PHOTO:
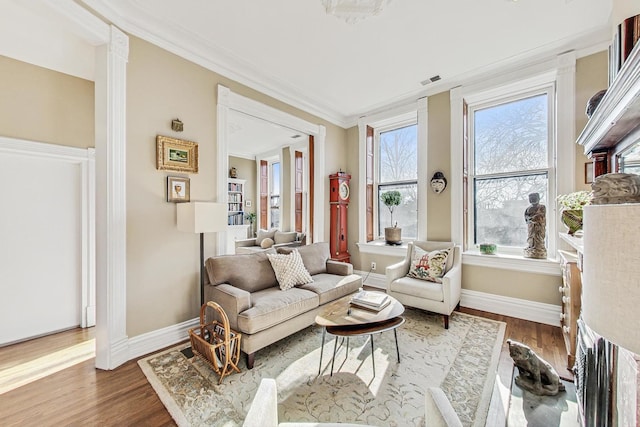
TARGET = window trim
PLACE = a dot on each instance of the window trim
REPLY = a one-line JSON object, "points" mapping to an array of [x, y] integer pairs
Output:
{"points": [[513, 94], [560, 70], [417, 112]]}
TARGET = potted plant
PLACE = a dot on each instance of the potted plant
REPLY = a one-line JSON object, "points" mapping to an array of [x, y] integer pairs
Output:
{"points": [[571, 206], [391, 199], [251, 217]]}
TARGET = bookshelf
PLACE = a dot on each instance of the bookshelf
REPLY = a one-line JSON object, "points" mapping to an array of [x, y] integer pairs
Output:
{"points": [[235, 201]]}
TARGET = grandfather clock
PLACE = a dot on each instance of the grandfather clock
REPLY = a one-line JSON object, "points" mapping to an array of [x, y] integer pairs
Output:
{"points": [[339, 202]]}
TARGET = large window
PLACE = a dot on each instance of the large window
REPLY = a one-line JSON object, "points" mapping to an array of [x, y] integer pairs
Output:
{"points": [[397, 154], [511, 154]]}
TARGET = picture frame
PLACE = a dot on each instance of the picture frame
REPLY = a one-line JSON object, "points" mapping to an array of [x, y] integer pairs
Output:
{"points": [[588, 172], [178, 189], [176, 155]]}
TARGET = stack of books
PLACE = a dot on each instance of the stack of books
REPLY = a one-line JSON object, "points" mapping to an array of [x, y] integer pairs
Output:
{"points": [[375, 301]]}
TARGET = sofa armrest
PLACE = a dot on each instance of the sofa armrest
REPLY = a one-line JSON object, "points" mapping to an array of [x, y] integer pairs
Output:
{"points": [[264, 407], [452, 286], [339, 268], [438, 409], [396, 271], [232, 300], [245, 242]]}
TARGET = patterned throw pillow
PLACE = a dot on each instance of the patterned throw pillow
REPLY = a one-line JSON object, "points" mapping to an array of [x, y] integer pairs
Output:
{"points": [[289, 269], [429, 266]]}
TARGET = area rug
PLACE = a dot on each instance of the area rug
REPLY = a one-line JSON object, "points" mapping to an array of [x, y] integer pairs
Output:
{"points": [[461, 360]]}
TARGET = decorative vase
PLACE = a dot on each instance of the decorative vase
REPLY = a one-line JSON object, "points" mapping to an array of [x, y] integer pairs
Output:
{"points": [[393, 235], [572, 218]]}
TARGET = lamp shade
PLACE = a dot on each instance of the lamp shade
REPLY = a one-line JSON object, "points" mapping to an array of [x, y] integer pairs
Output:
{"points": [[611, 273], [201, 217]]}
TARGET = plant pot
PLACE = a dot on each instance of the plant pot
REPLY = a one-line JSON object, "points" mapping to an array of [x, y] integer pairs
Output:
{"points": [[572, 218], [393, 235]]}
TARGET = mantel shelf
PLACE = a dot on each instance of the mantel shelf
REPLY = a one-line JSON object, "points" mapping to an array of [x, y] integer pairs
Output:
{"points": [[618, 114]]}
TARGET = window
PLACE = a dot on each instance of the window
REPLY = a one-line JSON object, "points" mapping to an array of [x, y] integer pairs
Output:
{"points": [[511, 154], [274, 194], [397, 159]]}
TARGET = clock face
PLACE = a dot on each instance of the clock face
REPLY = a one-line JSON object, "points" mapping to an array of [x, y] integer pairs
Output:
{"points": [[344, 191]]}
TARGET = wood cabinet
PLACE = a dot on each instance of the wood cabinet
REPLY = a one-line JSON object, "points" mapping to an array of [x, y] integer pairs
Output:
{"points": [[571, 291], [339, 209]]}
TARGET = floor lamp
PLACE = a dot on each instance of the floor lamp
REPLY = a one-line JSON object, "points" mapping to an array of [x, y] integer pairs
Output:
{"points": [[202, 217]]}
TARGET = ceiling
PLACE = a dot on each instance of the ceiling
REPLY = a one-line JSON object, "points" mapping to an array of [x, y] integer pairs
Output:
{"points": [[292, 50], [250, 136]]}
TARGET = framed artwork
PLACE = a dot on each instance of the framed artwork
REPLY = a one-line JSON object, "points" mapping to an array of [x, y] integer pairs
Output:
{"points": [[178, 189], [588, 172], [176, 155]]}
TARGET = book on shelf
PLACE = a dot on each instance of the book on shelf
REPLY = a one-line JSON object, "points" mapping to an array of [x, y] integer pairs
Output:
{"points": [[375, 300]]}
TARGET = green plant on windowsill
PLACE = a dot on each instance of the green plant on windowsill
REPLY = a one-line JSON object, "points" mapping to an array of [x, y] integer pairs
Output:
{"points": [[391, 199], [572, 206]]}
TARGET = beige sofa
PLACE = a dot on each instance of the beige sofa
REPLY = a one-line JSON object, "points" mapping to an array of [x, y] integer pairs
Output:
{"points": [[245, 286], [278, 239]]}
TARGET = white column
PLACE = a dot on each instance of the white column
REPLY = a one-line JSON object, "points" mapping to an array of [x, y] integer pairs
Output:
{"points": [[110, 104]]}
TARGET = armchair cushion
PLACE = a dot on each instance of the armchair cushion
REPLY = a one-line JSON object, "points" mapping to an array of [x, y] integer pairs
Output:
{"points": [[429, 266]]}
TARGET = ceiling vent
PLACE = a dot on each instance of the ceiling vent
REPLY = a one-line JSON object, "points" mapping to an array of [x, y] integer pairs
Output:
{"points": [[296, 136], [430, 80]]}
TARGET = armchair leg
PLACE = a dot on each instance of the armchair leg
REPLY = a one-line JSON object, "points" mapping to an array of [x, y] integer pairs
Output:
{"points": [[446, 321], [251, 358]]}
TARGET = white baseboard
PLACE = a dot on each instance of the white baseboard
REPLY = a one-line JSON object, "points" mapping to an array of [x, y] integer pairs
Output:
{"points": [[548, 314], [155, 340], [375, 280]]}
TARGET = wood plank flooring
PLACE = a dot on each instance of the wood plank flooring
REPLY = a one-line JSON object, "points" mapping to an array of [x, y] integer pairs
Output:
{"points": [[84, 396]]}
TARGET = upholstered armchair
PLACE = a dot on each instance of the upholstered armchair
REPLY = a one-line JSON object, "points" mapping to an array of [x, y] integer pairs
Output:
{"points": [[439, 298]]}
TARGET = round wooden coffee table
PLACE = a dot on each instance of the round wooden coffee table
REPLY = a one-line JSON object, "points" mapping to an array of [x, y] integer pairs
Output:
{"points": [[340, 318]]}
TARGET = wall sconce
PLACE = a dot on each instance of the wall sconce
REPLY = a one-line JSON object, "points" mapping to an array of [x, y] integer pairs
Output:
{"points": [[438, 182], [176, 125]]}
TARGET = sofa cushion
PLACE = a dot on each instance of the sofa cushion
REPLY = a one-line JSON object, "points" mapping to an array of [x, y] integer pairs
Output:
{"points": [[418, 288], [272, 306], [284, 237], [289, 270], [314, 256], [330, 287], [429, 266], [266, 243], [249, 272], [263, 234]]}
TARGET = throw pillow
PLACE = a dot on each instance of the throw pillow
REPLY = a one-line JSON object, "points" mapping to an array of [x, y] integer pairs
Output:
{"points": [[289, 270], [263, 234], [429, 266], [266, 243], [284, 237]]}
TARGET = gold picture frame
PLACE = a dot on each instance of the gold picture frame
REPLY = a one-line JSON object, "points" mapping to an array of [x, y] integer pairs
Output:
{"points": [[176, 155], [178, 189]]}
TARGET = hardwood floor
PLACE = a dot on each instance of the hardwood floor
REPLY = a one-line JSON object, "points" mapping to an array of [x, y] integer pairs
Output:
{"points": [[81, 395]]}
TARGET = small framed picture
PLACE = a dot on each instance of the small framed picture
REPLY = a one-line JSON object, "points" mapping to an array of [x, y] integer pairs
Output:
{"points": [[178, 189], [588, 172], [247, 203], [176, 155]]}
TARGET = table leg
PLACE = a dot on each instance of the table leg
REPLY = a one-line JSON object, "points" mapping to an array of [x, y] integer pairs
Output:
{"points": [[324, 331], [333, 359], [373, 359], [395, 333]]}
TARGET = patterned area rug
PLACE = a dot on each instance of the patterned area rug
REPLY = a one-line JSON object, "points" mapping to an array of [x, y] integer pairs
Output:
{"points": [[461, 360]]}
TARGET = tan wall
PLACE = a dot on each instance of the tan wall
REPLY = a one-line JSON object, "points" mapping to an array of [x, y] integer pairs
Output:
{"points": [[163, 263], [42, 105], [591, 76]]}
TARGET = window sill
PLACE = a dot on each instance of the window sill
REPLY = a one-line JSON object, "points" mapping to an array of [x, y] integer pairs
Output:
{"points": [[512, 262], [380, 247]]}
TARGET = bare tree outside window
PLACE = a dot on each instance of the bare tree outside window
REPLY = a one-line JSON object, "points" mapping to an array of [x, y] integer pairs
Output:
{"points": [[510, 162], [398, 170]]}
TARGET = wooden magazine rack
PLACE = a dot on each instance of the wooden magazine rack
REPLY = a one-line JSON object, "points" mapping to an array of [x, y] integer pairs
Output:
{"points": [[215, 342]]}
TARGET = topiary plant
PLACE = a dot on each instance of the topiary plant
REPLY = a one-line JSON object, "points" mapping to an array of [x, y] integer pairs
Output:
{"points": [[391, 199]]}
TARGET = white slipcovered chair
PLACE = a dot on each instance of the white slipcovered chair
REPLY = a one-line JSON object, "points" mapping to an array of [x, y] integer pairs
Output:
{"points": [[264, 410], [439, 298]]}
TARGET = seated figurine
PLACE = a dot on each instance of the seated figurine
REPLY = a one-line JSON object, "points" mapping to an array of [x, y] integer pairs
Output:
{"points": [[536, 374]]}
